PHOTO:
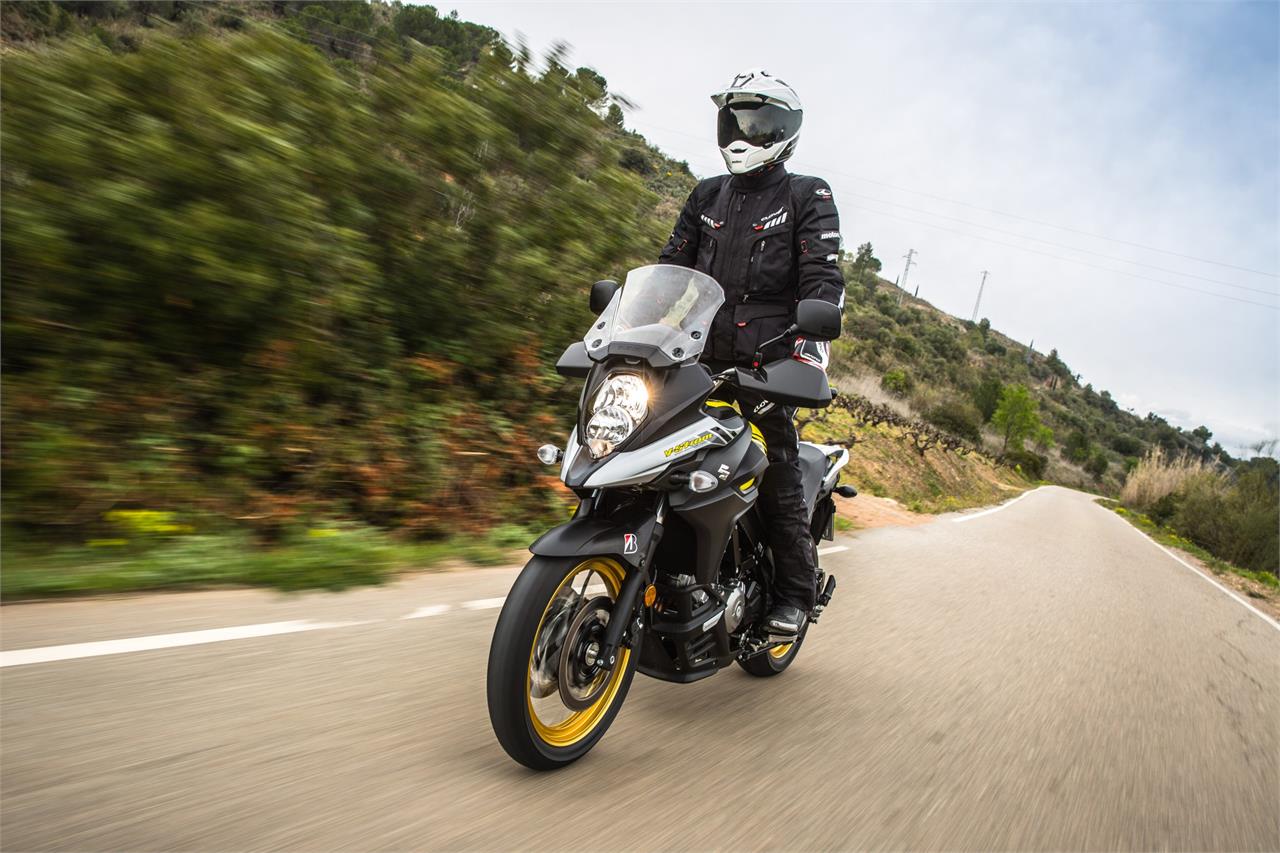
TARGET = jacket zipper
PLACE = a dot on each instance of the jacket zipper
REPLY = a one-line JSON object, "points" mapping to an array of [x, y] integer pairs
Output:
{"points": [[756, 251]]}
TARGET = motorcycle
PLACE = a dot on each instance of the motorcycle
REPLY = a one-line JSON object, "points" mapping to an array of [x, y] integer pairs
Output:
{"points": [[664, 567]]}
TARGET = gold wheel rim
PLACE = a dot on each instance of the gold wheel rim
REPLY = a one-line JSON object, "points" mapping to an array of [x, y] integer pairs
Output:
{"points": [[780, 651], [578, 724]]}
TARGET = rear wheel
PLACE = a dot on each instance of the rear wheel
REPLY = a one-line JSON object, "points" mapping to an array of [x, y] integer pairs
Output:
{"points": [[776, 660], [550, 696]]}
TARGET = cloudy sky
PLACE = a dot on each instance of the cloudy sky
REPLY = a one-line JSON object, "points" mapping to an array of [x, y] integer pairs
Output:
{"points": [[1115, 167]]}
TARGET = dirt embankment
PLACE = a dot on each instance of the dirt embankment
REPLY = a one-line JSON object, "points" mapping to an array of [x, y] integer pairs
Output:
{"points": [[899, 485]]}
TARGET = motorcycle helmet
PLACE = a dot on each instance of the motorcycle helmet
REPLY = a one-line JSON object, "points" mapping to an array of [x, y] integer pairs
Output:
{"points": [[759, 121]]}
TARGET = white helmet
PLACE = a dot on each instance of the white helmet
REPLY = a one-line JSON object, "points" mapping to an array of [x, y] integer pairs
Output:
{"points": [[759, 121]]}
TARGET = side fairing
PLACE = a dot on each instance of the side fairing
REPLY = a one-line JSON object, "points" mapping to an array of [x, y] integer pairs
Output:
{"points": [[645, 463]]}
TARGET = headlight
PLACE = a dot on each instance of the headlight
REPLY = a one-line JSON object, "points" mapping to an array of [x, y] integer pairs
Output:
{"points": [[620, 405]]}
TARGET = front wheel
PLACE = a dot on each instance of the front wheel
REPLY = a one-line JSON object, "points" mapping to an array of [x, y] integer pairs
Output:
{"points": [[550, 698]]}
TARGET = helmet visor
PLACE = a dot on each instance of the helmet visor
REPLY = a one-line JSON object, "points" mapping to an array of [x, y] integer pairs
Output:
{"points": [[757, 124]]}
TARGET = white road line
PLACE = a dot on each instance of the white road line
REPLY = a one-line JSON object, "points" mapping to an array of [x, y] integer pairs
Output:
{"points": [[832, 549], [483, 603], [49, 654], [1006, 505], [429, 610], [1206, 578]]}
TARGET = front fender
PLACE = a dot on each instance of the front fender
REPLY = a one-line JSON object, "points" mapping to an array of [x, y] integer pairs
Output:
{"points": [[601, 537]]}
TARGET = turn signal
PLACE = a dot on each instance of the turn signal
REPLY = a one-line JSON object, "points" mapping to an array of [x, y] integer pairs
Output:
{"points": [[702, 481], [650, 595], [549, 454]]}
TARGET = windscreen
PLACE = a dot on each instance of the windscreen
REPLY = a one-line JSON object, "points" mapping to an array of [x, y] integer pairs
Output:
{"points": [[664, 306]]}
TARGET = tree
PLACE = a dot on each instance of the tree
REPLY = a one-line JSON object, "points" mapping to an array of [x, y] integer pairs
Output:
{"points": [[1016, 417], [865, 267], [984, 327], [987, 396], [1203, 433], [865, 259], [1057, 367]]}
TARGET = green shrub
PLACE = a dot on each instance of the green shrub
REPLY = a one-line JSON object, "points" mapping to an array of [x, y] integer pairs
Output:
{"points": [[897, 382], [958, 418], [1237, 521], [1031, 465], [1077, 447], [906, 345], [1126, 445], [1097, 465]]}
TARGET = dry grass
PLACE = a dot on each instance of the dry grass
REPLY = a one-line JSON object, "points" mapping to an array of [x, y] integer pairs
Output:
{"points": [[1160, 474], [868, 385]]}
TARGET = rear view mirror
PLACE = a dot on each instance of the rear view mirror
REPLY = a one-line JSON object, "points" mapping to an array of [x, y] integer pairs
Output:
{"points": [[818, 319], [602, 294]]}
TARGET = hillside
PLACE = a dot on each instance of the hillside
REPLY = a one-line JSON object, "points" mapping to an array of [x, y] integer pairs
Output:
{"points": [[905, 352]]}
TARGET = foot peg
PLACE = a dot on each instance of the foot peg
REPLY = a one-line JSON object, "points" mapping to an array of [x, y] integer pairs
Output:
{"points": [[824, 599], [846, 491]]}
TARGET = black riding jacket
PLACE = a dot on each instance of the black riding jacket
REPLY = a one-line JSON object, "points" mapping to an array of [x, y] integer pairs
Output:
{"points": [[770, 240]]}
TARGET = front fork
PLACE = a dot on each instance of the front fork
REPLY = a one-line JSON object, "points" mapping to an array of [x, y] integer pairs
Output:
{"points": [[626, 621]]}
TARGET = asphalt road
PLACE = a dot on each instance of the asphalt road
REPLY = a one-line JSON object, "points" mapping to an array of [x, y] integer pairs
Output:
{"points": [[1041, 678]]}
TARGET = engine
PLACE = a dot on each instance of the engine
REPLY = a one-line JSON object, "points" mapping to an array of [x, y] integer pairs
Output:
{"points": [[735, 607]]}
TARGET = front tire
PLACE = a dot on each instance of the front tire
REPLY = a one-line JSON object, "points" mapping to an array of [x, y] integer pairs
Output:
{"points": [[526, 706]]}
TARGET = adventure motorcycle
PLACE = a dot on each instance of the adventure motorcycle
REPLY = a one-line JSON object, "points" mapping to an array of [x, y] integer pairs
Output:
{"points": [[664, 567]]}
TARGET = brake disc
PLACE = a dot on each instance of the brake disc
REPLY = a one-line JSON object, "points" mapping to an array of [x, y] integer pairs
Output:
{"points": [[582, 676], [543, 680]]}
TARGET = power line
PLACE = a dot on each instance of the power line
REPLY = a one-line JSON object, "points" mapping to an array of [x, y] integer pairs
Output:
{"points": [[1072, 260], [1041, 222], [1069, 260], [1059, 227], [1063, 245]]}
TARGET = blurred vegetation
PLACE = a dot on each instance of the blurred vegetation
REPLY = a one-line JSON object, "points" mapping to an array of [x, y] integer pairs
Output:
{"points": [[261, 284]]}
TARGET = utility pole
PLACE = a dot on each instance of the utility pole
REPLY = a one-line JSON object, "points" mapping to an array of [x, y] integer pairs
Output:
{"points": [[983, 284], [902, 285]]}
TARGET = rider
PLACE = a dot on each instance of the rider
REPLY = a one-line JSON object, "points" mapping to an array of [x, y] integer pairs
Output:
{"points": [[770, 238]]}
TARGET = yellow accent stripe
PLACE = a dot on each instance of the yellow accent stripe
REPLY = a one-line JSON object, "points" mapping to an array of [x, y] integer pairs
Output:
{"points": [[747, 485]]}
